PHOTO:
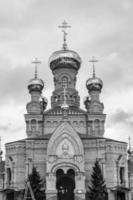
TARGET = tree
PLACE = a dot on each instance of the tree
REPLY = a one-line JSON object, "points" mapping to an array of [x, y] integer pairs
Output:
{"points": [[36, 185], [97, 189]]}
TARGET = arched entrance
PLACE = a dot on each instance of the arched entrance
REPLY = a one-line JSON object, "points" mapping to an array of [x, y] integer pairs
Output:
{"points": [[65, 184]]}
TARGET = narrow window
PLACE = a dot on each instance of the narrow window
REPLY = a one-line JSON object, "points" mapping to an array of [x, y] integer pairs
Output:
{"points": [[33, 125], [64, 82], [8, 176], [121, 175]]}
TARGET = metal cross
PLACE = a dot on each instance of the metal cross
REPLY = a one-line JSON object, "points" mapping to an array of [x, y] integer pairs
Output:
{"points": [[64, 26], [93, 61], [36, 61]]}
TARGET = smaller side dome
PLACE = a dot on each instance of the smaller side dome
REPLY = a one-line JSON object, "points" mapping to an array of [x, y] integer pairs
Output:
{"points": [[94, 83], [35, 84]]}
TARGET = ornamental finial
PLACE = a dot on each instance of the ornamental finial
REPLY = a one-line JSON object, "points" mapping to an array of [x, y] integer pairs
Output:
{"points": [[64, 26], [93, 61], [130, 150], [36, 61], [129, 140]]}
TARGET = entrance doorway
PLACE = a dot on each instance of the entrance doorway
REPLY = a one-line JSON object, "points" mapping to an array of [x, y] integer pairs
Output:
{"points": [[120, 195], [65, 184]]}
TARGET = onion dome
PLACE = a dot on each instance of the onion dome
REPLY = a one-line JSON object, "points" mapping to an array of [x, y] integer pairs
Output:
{"points": [[94, 83], [65, 58], [35, 84]]}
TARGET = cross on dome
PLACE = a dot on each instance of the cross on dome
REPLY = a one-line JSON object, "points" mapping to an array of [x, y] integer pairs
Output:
{"points": [[93, 61], [64, 26], [36, 61]]}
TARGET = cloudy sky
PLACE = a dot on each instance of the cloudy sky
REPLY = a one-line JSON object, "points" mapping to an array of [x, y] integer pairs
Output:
{"points": [[100, 28]]}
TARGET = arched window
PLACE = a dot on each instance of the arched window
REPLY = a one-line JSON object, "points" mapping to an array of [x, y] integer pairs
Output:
{"points": [[59, 173], [97, 126], [97, 123], [71, 173], [64, 82], [33, 125], [55, 99], [121, 174], [9, 176]]}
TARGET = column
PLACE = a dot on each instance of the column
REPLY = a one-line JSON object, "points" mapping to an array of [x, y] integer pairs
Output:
{"points": [[50, 185], [80, 185]]}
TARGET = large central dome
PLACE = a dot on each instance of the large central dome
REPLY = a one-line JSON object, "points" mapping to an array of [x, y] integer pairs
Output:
{"points": [[64, 58], [65, 54]]}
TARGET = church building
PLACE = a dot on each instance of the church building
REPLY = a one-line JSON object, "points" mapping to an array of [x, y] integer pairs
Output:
{"points": [[64, 142]]}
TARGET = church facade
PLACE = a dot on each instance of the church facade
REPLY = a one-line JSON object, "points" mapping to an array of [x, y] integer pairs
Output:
{"points": [[63, 142]]}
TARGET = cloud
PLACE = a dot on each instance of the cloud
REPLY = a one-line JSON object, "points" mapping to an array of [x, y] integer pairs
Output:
{"points": [[121, 117], [119, 125], [4, 128], [14, 81]]}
